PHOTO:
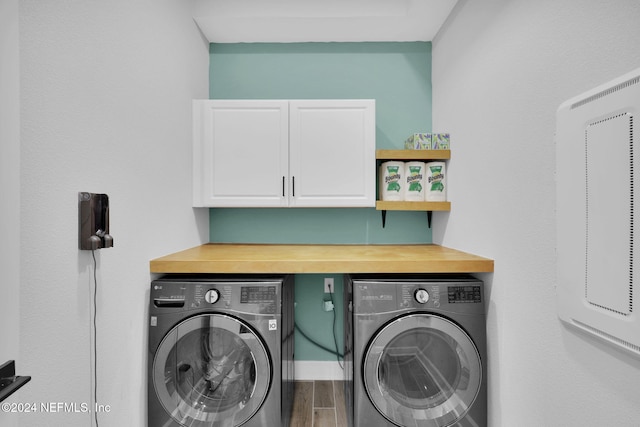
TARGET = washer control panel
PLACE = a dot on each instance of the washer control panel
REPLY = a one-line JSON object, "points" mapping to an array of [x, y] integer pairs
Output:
{"points": [[257, 297], [422, 296], [265, 297], [257, 294], [204, 295]]}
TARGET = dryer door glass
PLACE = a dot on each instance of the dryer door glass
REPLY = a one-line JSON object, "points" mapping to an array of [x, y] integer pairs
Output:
{"points": [[422, 370], [211, 370]]}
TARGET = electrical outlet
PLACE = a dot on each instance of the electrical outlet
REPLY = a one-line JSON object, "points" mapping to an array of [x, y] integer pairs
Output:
{"points": [[328, 285]]}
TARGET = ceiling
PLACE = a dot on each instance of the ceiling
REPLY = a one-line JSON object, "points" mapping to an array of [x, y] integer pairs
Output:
{"points": [[292, 21]]}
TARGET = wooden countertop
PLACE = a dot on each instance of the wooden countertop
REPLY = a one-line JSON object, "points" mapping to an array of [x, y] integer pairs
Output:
{"points": [[280, 258]]}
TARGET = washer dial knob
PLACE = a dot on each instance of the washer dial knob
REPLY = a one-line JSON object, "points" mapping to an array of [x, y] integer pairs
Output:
{"points": [[212, 296], [422, 296]]}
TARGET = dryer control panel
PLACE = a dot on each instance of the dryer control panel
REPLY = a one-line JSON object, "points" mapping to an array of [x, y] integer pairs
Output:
{"points": [[464, 294], [420, 295], [387, 295]]}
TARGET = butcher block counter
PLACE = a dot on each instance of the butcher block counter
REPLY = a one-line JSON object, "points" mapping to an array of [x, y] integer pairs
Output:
{"points": [[285, 258]]}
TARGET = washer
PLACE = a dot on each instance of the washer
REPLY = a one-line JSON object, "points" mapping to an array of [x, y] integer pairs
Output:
{"points": [[415, 351], [220, 351]]}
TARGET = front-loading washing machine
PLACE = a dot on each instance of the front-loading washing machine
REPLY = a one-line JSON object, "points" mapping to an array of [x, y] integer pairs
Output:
{"points": [[220, 351], [415, 351]]}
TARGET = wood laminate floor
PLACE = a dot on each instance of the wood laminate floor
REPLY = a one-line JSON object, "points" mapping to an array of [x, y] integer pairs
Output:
{"points": [[319, 404]]}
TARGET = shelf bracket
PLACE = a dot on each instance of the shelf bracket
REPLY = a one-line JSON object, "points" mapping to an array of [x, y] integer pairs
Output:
{"points": [[384, 218], [9, 382]]}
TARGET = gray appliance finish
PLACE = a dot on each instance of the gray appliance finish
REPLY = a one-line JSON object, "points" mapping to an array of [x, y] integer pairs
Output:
{"points": [[220, 351], [415, 351]]}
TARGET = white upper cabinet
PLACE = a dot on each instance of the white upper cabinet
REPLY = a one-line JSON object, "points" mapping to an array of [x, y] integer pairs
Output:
{"points": [[298, 153], [332, 152], [240, 153]]}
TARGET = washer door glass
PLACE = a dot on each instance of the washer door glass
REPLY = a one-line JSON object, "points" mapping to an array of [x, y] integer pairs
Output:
{"points": [[422, 370], [211, 370]]}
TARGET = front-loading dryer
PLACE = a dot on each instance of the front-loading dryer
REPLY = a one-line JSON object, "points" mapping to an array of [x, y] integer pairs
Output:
{"points": [[220, 351], [415, 350]]}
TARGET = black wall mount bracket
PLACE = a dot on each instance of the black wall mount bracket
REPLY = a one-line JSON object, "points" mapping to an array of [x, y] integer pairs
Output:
{"points": [[93, 221], [9, 382]]}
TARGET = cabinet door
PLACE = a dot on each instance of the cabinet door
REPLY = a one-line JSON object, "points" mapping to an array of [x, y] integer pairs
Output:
{"points": [[240, 153], [332, 153]]}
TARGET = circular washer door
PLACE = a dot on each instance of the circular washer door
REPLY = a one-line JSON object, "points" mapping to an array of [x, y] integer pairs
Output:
{"points": [[211, 370], [422, 370]]}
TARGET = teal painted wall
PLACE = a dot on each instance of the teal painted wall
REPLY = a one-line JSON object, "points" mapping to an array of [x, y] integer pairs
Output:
{"points": [[296, 225], [315, 323], [398, 77]]}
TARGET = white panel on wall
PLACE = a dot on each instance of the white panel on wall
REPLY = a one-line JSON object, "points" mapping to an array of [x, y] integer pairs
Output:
{"points": [[609, 214], [595, 211]]}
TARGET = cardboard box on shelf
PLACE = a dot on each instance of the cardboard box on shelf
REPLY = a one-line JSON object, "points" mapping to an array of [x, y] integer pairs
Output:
{"points": [[419, 141], [440, 141]]}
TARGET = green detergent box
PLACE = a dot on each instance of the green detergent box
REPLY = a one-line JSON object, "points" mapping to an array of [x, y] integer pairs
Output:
{"points": [[418, 141], [440, 141]]}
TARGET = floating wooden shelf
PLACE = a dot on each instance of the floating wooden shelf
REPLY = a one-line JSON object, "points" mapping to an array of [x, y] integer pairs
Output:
{"points": [[412, 206], [413, 154], [429, 207]]}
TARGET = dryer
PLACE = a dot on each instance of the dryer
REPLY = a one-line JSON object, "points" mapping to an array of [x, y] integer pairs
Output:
{"points": [[220, 351], [415, 351]]}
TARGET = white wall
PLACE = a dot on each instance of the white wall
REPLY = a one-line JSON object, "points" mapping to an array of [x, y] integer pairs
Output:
{"points": [[106, 108], [10, 193], [500, 70]]}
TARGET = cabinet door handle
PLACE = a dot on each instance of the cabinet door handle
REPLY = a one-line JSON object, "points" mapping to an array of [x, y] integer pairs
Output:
{"points": [[293, 179], [283, 186]]}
